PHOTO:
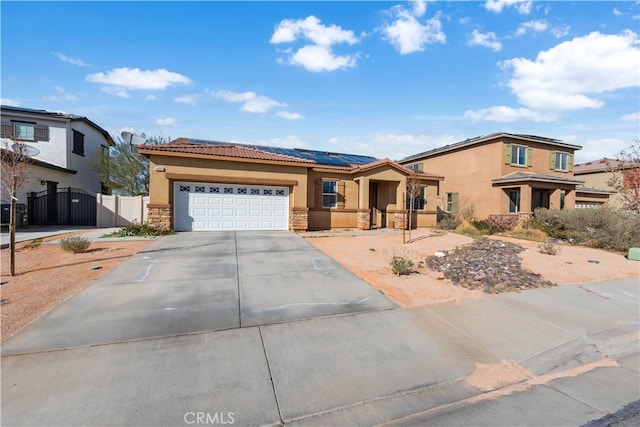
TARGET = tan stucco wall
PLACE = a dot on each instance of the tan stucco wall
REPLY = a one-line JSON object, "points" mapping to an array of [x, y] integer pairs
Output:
{"points": [[391, 186], [469, 171], [599, 180]]}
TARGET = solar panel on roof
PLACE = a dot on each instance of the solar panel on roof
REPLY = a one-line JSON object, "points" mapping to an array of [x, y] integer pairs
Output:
{"points": [[320, 157]]}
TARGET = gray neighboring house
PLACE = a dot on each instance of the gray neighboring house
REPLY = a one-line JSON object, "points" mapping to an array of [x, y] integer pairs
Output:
{"points": [[61, 184]]}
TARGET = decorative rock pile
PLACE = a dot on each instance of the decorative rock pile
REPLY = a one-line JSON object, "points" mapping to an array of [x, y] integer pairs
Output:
{"points": [[487, 264]]}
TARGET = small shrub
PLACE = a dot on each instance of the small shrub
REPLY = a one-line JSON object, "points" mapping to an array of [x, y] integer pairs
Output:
{"points": [[484, 227], [143, 230], [466, 213], [603, 227], [548, 248], [75, 244], [35, 243], [401, 265], [528, 234], [447, 223], [465, 227]]}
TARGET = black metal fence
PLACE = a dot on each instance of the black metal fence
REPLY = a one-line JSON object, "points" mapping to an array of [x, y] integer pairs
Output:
{"points": [[66, 206]]}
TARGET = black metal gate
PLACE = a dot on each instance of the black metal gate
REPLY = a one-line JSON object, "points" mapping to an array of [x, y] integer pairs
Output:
{"points": [[66, 206]]}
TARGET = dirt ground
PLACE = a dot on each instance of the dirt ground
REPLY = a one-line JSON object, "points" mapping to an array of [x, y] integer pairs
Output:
{"points": [[368, 257], [46, 275]]}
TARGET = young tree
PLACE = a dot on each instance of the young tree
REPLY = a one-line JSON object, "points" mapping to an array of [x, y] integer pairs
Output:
{"points": [[625, 177], [414, 188], [123, 170], [14, 161]]}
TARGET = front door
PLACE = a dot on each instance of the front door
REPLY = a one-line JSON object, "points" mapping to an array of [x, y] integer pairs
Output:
{"points": [[376, 215], [540, 199]]}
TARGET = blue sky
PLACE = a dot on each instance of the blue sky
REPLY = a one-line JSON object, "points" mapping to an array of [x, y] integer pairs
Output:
{"points": [[387, 79]]}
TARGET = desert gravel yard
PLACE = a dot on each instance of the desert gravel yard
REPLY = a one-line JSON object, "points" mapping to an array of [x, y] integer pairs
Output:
{"points": [[368, 256]]}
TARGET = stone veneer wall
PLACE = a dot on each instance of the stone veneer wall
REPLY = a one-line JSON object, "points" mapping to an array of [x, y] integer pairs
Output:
{"points": [[509, 221], [400, 220], [159, 215], [364, 219], [299, 219]]}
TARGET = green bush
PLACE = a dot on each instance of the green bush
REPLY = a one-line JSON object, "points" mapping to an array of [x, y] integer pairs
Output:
{"points": [[447, 223], [144, 230], [401, 265], [484, 227], [75, 244], [603, 227]]}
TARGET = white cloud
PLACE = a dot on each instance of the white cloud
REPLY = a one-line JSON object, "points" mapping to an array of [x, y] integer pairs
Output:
{"points": [[317, 56], [408, 34], [288, 115], [505, 114], [169, 121], [289, 141], [616, 12], [136, 79], [536, 26], [321, 58], [391, 145], [251, 102], [567, 76], [540, 26], [631, 117], [419, 7], [594, 149], [62, 94], [187, 99], [9, 102], [64, 58], [310, 28], [115, 91], [487, 40], [150, 97], [497, 6]]}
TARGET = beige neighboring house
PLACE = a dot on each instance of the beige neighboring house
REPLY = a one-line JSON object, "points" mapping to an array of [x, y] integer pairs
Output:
{"points": [[201, 185], [596, 174], [502, 174]]}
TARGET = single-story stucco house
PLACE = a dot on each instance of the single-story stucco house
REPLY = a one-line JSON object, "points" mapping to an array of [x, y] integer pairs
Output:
{"points": [[201, 185]]}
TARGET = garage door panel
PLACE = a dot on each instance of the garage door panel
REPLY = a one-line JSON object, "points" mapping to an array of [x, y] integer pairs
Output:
{"points": [[203, 207]]}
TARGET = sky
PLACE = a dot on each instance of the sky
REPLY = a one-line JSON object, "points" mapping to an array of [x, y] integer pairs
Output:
{"points": [[380, 78]]}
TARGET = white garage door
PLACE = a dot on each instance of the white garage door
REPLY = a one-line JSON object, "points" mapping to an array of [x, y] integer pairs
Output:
{"points": [[213, 207]]}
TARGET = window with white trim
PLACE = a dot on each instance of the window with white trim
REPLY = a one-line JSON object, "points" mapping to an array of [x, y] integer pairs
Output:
{"points": [[518, 155], [562, 161], [329, 194]]}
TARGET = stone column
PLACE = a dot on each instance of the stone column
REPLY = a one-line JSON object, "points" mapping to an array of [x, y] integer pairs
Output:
{"points": [[159, 215], [364, 219], [299, 219]]}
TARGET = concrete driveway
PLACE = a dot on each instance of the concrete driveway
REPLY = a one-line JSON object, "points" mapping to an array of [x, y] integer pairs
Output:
{"points": [[261, 329], [193, 282]]}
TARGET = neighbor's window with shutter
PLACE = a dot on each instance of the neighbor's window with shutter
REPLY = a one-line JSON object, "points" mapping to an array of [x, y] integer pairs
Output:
{"points": [[24, 131], [41, 132], [78, 143]]}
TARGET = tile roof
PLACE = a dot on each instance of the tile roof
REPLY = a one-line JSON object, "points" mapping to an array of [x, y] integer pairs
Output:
{"points": [[523, 177], [230, 150], [349, 163], [485, 138], [592, 190], [600, 165]]}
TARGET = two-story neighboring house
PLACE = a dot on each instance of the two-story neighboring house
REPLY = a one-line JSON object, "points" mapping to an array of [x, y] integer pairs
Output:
{"points": [[61, 183], [502, 173], [596, 175]]}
